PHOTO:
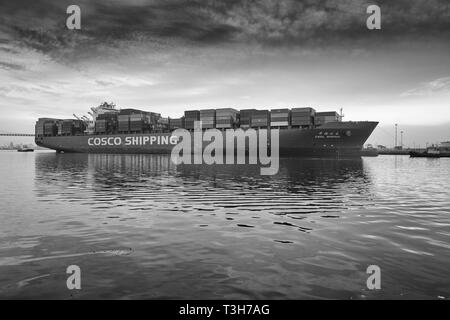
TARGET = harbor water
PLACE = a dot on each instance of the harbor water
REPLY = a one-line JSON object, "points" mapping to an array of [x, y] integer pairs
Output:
{"points": [[140, 227]]}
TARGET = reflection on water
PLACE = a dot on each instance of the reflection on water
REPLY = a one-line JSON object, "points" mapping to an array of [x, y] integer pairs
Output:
{"points": [[142, 182], [141, 227]]}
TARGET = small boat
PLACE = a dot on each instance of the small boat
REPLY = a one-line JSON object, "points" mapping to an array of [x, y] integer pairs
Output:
{"points": [[431, 152], [444, 148], [25, 150]]}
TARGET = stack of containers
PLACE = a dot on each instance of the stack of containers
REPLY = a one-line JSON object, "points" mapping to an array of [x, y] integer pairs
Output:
{"points": [[59, 131], [67, 127], [79, 127], [40, 127], [176, 123], [163, 124], [123, 119], [302, 117], [279, 117], [324, 117], [124, 123], [50, 128], [208, 118], [136, 122], [100, 126], [151, 121], [260, 119], [189, 118], [106, 122], [129, 111], [81, 124], [226, 118], [153, 118], [246, 118]]}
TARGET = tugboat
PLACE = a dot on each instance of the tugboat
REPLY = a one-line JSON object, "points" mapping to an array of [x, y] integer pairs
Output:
{"points": [[25, 149], [441, 151], [431, 152]]}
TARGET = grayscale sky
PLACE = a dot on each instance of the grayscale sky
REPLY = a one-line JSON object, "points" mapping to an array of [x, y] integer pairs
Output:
{"points": [[171, 55]]}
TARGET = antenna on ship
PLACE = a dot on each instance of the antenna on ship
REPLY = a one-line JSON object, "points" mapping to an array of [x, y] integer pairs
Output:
{"points": [[395, 143], [401, 139], [342, 113]]}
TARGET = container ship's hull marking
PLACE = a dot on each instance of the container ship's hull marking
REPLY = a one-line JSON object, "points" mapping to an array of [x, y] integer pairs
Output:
{"points": [[330, 139]]}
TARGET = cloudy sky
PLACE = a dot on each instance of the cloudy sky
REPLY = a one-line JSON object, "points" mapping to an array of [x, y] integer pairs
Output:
{"points": [[171, 55]]}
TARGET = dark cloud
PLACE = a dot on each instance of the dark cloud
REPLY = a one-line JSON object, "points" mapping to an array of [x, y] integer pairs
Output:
{"points": [[40, 24], [10, 66]]}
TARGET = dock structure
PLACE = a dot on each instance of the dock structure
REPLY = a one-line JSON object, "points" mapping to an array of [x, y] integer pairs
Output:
{"points": [[17, 135]]}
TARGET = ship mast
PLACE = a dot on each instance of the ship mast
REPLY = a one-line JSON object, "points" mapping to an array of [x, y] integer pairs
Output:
{"points": [[396, 127]]}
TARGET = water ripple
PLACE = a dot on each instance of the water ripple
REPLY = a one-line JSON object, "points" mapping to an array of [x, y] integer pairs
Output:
{"points": [[145, 228]]}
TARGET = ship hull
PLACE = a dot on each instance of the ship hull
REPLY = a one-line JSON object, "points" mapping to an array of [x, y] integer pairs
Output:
{"points": [[336, 139]]}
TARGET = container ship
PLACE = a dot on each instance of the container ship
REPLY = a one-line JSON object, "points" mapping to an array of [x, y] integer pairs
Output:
{"points": [[302, 131]]}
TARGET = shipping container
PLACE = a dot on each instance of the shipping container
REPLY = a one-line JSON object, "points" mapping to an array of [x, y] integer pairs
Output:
{"points": [[110, 116], [67, 127], [279, 117], [206, 112], [260, 118], [226, 118], [192, 114], [245, 117], [130, 111], [123, 123], [279, 123], [208, 118], [59, 130], [325, 117], [226, 112], [39, 128], [50, 128], [279, 111], [328, 113], [153, 117], [100, 126], [176, 123], [164, 121], [310, 111], [190, 117], [301, 118], [136, 117], [162, 125], [136, 122]]}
